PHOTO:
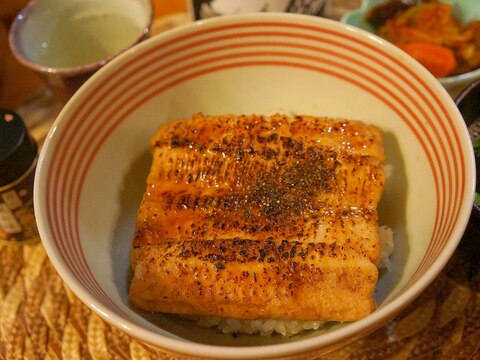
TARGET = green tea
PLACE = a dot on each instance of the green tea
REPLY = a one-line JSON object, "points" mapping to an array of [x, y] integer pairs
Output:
{"points": [[83, 38]]}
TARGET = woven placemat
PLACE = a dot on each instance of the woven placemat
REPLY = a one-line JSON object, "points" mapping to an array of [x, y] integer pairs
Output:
{"points": [[40, 317]]}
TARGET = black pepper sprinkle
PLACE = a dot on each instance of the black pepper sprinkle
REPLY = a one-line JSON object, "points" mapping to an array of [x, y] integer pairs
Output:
{"points": [[293, 251], [214, 257], [261, 255], [268, 154], [239, 242], [219, 266], [175, 141], [272, 137]]}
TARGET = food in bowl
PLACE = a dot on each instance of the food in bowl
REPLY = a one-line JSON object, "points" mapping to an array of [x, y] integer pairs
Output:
{"points": [[260, 218], [263, 64], [430, 33]]}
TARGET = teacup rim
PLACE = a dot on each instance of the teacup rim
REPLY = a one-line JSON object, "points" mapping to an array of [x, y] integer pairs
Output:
{"points": [[15, 47]]}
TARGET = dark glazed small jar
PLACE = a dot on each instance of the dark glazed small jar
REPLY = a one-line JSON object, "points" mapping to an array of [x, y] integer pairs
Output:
{"points": [[18, 159]]}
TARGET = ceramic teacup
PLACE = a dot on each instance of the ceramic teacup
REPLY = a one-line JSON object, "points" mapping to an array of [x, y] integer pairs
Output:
{"points": [[67, 41]]}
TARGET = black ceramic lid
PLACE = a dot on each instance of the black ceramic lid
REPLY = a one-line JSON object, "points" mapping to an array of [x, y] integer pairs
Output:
{"points": [[17, 149]]}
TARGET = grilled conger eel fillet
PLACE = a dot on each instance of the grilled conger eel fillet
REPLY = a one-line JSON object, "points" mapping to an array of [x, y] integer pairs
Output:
{"points": [[256, 217]]}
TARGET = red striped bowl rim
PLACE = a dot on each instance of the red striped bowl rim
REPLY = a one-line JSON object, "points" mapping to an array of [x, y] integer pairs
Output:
{"points": [[224, 44]]}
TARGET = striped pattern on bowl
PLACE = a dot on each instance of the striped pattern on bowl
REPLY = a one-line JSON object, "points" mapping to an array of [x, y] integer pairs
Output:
{"points": [[229, 56]]}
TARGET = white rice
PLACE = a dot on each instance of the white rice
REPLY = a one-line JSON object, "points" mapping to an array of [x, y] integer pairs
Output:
{"points": [[262, 327], [286, 327], [386, 243]]}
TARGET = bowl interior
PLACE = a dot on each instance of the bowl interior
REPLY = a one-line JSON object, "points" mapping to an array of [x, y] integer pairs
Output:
{"points": [[93, 166]]}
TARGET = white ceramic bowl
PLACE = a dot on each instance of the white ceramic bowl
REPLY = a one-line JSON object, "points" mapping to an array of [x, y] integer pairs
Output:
{"points": [[93, 165], [464, 10]]}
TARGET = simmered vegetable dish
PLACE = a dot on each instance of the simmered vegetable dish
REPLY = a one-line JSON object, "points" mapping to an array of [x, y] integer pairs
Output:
{"points": [[429, 32]]}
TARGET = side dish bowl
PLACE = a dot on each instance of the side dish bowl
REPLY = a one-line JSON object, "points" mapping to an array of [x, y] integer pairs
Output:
{"points": [[463, 10], [92, 168]]}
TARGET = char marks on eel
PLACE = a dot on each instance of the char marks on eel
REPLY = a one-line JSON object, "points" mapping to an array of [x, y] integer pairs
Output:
{"points": [[260, 217]]}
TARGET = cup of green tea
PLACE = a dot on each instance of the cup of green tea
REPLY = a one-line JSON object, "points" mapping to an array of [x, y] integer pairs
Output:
{"points": [[65, 42]]}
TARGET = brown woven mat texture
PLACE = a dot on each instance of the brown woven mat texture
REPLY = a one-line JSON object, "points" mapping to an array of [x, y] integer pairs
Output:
{"points": [[40, 318]]}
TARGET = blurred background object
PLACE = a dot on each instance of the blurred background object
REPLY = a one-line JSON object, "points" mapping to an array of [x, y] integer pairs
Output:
{"points": [[65, 42], [9, 8], [18, 158], [202, 9], [443, 36], [334, 9], [163, 8], [17, 84]]}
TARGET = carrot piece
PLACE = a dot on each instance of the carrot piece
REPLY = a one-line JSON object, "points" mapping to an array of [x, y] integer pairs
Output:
{"points": [[439, 60]]}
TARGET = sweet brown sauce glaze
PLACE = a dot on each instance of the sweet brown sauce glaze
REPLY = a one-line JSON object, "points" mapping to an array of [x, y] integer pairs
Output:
{"points": [[238, 206], [261, 177]]}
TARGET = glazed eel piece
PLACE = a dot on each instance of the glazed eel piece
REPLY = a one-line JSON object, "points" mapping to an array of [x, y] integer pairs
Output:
{"points": [[256, 217]]}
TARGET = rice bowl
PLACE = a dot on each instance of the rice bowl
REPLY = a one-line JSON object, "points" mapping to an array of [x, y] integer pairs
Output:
{"points": [[277, 63]]}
